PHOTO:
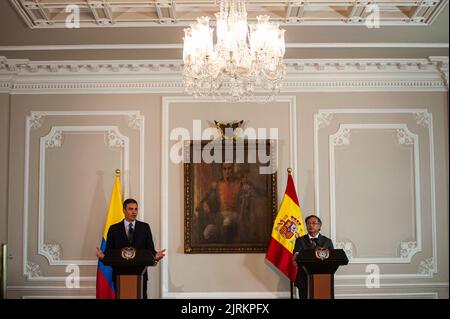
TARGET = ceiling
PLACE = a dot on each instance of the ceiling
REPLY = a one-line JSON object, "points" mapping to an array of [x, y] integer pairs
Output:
{"points": [[154, 29], [147, 13]]}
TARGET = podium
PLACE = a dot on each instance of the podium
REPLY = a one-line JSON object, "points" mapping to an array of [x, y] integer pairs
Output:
{"points": [[320, 266], [129, 265]]}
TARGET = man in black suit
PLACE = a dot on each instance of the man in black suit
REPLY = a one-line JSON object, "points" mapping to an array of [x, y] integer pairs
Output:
{"points": [[131, 232], [311, 240]]}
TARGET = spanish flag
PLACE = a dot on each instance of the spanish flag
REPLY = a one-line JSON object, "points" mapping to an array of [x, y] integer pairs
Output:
{"points": [[288, 226], [105, 285]]}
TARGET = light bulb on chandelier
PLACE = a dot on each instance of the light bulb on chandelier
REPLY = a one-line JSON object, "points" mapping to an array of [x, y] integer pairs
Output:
{"points": [[245, 57]]}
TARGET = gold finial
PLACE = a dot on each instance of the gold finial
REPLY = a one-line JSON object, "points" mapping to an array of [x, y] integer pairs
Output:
{"points": [[117, 172], [289, 170]]}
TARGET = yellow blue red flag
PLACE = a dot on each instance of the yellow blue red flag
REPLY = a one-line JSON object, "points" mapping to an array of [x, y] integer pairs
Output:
{"points": [[105, 287]]}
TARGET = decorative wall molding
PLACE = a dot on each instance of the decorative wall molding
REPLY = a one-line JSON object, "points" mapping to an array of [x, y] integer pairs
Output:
{"points": [[167, 101], [422, 117], [54, 288], [342, 137], [347, 247], [134, 121], [427, 266], [442, 66], [405, 137], [389, 295], [169, 46], [33, 270], [422, 285], [113, 138], [324, 119], [22, 76], [228, 295], [408, 249], [35, 121], [251, 295], [64, 67], [398, 285], [50, 251], [54, 139]]}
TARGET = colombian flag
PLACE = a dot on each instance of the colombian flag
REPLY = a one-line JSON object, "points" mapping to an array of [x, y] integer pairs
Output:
{"points": [[288, 226], [105, 284]]}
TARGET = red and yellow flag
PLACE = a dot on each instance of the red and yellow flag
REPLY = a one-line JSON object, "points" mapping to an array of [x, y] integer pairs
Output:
{"points": [[288, 226]]}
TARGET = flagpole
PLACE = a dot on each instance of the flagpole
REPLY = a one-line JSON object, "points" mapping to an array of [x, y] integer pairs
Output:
{"points": [[292, 289], [291, 284], [118, 175]]}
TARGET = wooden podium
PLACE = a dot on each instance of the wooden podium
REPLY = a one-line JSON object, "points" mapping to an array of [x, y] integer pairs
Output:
{"points": [[320, 266], [129, 265]]}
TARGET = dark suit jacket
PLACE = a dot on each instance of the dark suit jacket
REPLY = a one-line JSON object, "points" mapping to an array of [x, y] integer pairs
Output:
{"points": [[142, 238], [303, 243]]}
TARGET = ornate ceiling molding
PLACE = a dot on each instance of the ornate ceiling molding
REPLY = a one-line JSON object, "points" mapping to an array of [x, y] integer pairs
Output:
{"points": [[23, 76], [135, 13], [177, 46]]}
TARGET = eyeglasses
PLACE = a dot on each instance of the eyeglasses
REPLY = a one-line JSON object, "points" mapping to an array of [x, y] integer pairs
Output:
{"points": [[316, 223]]}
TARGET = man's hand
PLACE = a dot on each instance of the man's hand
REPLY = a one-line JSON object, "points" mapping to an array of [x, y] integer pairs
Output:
{"points": [[160, 255], [100, 254], [295, 259]]}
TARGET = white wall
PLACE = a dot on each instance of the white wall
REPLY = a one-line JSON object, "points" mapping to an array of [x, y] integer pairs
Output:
{"points": [[385, 189]]}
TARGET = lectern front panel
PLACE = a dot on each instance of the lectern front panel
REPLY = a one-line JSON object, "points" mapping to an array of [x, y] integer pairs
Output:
{"points": [[129, 287], [321, 286]]}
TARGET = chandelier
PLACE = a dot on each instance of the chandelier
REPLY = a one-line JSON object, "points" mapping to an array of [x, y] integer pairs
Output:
{"points": [[244, 58]]}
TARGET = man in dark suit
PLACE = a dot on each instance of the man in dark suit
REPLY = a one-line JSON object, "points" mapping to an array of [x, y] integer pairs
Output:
{"points": [[311, 240], [131, 232]]}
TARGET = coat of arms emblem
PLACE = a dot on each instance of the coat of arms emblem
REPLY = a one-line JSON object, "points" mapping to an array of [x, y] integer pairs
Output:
{"points": [[128, 253], [322, 253], [289, 228]]}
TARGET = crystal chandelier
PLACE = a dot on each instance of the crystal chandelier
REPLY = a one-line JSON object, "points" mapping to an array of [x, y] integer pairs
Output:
{"points": [[244, 57]]}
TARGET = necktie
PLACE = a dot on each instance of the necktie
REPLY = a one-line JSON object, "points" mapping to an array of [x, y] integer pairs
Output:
{"points": [[130, 233], [314, 242]]}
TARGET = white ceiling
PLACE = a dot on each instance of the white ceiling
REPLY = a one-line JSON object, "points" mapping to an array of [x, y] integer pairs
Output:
{"points": [[145, 13], [153, 40]]}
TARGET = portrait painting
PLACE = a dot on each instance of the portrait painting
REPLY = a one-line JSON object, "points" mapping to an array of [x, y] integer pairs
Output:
{"points": [[230, 203]]}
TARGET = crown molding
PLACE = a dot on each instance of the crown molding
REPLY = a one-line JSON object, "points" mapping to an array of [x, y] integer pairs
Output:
{"points": [[168, 46], [22, 76], [442, 65]]}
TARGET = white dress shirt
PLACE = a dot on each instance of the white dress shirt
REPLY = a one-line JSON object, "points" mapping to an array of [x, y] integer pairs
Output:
{"points": [[310, 237]]}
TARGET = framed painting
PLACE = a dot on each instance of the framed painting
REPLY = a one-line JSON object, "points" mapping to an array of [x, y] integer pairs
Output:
{"points": [[230, 192]]}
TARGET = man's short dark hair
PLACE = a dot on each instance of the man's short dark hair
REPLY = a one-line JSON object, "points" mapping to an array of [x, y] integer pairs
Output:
{"points": [[129, 201], [311, 216]]}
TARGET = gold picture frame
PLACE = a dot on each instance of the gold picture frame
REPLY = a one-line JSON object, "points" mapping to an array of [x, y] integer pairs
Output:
{"points": [[229, 206]]}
